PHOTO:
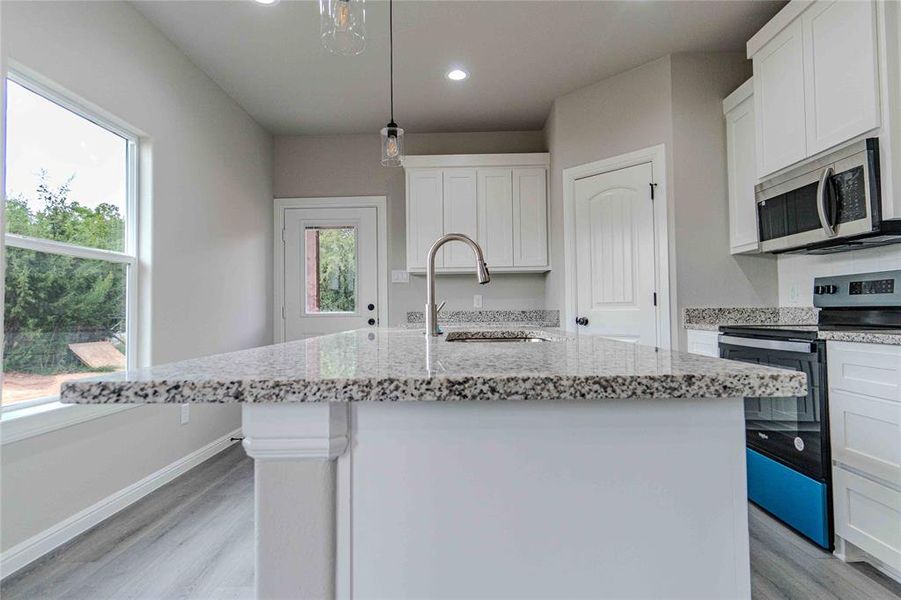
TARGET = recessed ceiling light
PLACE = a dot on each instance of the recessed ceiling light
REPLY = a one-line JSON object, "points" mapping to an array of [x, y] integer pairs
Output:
{"points": [[457, 75], [266, 2]]}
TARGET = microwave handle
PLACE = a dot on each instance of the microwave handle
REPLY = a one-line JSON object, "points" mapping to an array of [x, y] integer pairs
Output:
{"points": [[825, 194]]}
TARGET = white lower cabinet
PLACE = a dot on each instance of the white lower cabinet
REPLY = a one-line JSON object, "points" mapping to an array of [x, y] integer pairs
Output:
{"points": [[866, 434], [701, 341], [865, 427], [868, 515]]}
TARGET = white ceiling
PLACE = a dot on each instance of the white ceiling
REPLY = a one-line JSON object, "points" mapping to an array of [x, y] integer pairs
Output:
{"points": [[521, 55]]}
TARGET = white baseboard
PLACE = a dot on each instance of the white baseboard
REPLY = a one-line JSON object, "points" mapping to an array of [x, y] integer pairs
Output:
{"points": [[37, 546]]}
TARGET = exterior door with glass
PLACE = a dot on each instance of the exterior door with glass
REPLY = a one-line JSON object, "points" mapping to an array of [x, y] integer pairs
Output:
{"points": [[331, 270]]}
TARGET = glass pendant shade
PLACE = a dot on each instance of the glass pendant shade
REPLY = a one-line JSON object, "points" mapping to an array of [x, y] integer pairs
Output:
{"points": [[392, 145], [343, 26]]}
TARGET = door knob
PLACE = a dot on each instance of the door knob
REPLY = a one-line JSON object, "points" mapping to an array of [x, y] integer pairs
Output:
{"points": [[582, 321]]}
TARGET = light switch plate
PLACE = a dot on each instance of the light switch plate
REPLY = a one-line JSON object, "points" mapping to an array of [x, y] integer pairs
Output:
{"points": [[400, 277], [185, 413], [477, 300]]}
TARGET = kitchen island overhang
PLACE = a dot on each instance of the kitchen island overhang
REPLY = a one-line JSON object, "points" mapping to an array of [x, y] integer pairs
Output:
{"points": [[392, 465]]}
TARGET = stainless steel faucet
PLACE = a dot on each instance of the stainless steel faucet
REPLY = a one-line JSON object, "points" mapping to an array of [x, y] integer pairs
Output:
{"points": [[431, 311]]}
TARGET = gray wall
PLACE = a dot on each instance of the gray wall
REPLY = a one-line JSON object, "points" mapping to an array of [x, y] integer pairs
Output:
{"points": [[706, 273], [626, 112], [348, 165], [206, 245], [676, 101]]}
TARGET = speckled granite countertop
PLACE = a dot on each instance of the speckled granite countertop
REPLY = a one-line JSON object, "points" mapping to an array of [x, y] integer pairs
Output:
{"points": [[805, 317], [710, 318], [891, 337], [402, 365]]}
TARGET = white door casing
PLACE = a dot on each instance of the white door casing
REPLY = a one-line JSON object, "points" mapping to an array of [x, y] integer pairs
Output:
{"points": [[615, 254], [368, 216], [656, 157]]}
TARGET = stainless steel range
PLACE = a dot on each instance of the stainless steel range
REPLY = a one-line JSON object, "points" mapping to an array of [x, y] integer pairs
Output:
{"points": [[789, 458]]}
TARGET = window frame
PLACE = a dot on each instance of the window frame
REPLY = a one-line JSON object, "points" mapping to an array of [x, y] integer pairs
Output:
{"points": [[128, 257]]}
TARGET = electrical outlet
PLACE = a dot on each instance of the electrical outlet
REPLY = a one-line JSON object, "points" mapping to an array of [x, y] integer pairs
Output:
{"points": [[477, 301], [185, 413], [400, 277], [794, 294]]}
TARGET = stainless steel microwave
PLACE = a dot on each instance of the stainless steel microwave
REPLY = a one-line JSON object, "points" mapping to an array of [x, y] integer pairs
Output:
{"points": [[829, 205]]}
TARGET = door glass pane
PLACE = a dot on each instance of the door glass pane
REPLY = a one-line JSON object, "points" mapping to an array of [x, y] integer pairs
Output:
{"points": [[66, 177], [65, 319], [331, 269]]}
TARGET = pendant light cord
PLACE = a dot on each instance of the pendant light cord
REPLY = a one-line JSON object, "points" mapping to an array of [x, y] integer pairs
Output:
{"points": [[391, 52]]}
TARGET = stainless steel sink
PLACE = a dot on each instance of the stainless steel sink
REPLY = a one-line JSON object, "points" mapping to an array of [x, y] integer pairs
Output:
{"points": [[497, 336]]}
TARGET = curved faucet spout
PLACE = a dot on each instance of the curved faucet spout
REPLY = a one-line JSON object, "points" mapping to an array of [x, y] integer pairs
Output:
{"points": [[482, 274]]}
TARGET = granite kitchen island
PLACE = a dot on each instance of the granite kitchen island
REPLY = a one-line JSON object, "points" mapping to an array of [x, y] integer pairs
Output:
{"points": [[392, 465]]}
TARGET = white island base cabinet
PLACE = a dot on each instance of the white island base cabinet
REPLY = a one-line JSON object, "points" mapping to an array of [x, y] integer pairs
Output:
{"points": [[540, 499]]}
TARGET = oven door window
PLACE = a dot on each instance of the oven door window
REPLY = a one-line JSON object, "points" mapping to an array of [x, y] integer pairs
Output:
{"points": [[790, 429]]}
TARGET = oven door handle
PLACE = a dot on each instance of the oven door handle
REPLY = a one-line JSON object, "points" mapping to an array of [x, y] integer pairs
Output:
{"points": [[732, 340], [826, 193]]}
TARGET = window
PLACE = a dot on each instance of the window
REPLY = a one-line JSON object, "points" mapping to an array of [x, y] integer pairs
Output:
{"points": [[70, 245], [331, 269]]}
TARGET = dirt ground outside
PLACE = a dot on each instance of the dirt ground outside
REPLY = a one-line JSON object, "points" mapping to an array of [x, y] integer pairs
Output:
{"points": [[19, 387]]}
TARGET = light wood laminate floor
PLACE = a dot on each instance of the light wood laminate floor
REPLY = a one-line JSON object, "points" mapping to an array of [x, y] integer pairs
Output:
{"points": [[193, 539]]}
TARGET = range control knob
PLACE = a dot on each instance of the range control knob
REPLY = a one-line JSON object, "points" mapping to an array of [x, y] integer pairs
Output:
{"points": [[831, 289], [819, 290]]}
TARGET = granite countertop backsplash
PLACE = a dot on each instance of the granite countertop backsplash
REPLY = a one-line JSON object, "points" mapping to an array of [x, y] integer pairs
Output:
{"points": [[494, 318], [710, 318], [387, 365]]}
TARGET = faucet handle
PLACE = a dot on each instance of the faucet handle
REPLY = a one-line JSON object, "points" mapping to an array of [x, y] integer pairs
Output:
{"points": [[440, 306]]}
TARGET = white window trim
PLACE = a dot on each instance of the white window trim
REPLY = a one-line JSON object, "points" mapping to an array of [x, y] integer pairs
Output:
{"points": [[38, 416]]}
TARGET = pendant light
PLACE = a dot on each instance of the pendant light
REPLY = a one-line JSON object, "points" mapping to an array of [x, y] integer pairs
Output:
{"points": [[392, 135], [343, 26]]}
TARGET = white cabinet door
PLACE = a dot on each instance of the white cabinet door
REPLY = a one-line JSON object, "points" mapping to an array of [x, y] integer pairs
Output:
{"points": [[703, 342], [868, 515], [840, 72], [425, 215], [496, 216], [866, 434], [529, 217], [779, 101], [742, 171], [460, 215]]}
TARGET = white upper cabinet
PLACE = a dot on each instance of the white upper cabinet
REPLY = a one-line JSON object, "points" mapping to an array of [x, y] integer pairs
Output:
{"points": [[499, 200], [529, 217], [425, 215], [496, 215], [816, 80], [741, 167], [779, 101], [460, 215], [840, 63]]}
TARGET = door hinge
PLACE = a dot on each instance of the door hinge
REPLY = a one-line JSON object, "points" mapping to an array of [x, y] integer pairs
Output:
{"points": [[283, 235], [655, 298], [653, 187]]}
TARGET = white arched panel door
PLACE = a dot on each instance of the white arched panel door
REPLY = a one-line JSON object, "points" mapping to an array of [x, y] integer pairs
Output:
{"points": [[615, 265]]}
